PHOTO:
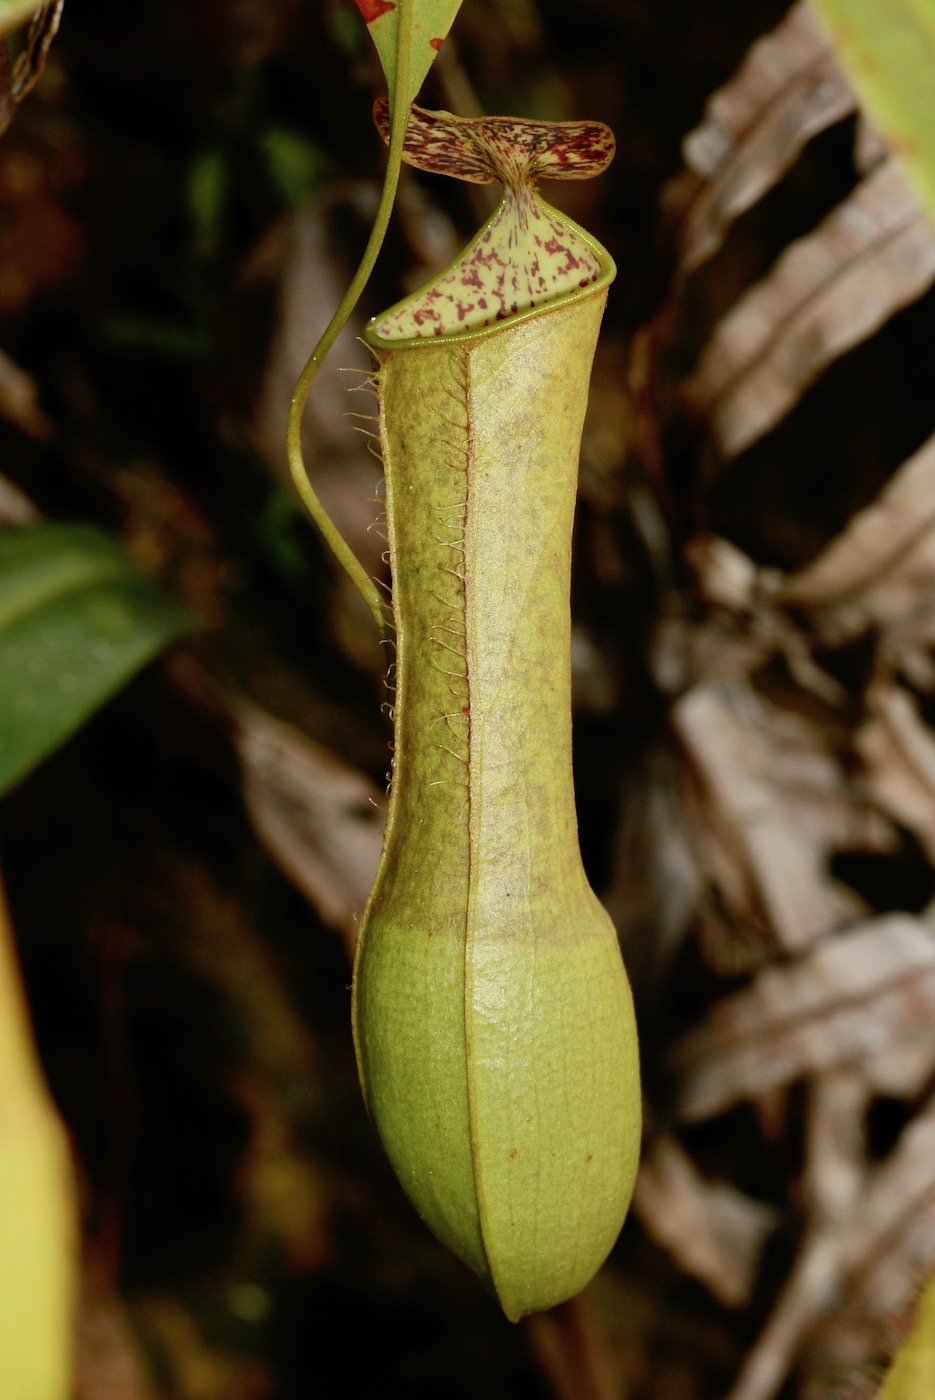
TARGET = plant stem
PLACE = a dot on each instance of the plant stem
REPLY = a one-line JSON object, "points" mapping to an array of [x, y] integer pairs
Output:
{"points": [[361, 579]]}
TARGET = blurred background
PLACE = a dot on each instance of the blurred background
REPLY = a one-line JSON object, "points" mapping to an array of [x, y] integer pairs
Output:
{"points": [[183, 197]]}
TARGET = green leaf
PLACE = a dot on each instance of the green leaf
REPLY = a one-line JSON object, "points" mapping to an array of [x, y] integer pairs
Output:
{"points": [[77, 620], [13, 13], [888, 52], [431, 20]]}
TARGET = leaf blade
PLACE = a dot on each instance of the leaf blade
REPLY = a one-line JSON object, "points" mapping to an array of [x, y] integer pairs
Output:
{"points": [[912, 1374], [77, 621], [14, 13], [431, 21], [888, 52]]}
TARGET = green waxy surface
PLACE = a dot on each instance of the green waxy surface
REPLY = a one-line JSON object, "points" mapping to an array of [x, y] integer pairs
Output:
{"points": [[493, 1020]]}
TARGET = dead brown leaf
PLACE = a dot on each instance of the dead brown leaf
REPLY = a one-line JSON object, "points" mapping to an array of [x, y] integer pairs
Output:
{"points": [[735, 636], [15, 507], [18, 79], [19, 400], [887, 1251], [743, 628], [874, 254], [653, 895], [868, 1244], [770, 797], [787, 90], [897, 1191], [30, 64], [848, 1000], [834, 1185], [898, 749], [762, 841], [319, 819], [713, 1231], [880, 569]]}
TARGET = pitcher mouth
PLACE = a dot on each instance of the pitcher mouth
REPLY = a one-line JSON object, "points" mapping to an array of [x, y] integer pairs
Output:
{"points": [[528, 257], [483, 292]]}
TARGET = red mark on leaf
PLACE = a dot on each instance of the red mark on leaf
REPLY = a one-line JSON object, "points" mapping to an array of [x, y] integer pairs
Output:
{"points": [[373, 9], [436, 44]]}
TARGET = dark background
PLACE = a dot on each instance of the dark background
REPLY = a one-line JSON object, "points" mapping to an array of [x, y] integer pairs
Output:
{"points": [[191, 1008]]}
